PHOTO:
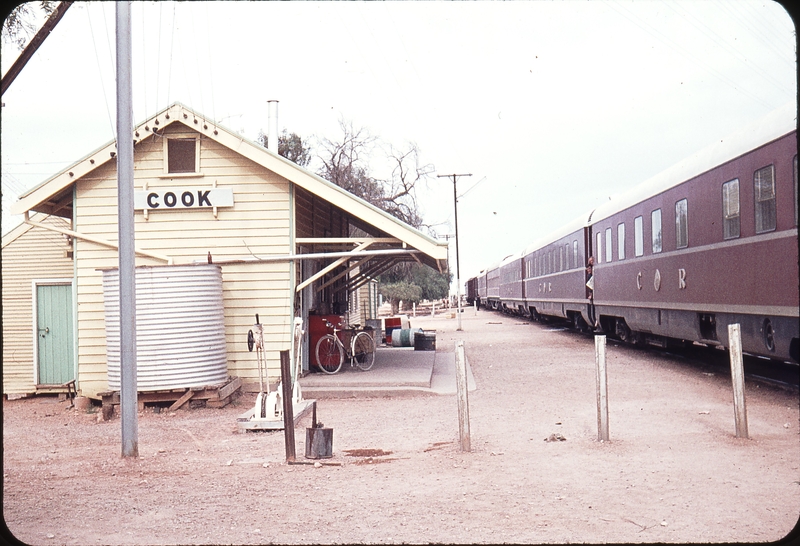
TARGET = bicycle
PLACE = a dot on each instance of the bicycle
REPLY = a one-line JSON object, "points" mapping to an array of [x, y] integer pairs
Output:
{"points": [[359, 349]]}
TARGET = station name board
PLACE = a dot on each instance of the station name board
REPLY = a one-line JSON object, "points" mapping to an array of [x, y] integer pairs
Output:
{"points": [[182, 198]]}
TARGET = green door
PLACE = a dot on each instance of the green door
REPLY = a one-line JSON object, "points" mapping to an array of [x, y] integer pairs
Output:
{"points": [[54, 334]]}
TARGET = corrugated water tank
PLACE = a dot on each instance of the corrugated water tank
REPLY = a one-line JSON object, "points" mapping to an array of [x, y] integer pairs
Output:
{"points": [[180, 330]]}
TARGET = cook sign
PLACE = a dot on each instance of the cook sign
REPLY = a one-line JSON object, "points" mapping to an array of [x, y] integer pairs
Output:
{"points": [[182, 198]]}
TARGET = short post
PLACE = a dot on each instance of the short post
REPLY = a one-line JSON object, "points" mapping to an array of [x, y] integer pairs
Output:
{"points": [[463, 402], [737, 375], [414, 313], [288, 410], [475, 306], [602, 388], [433, 309]]}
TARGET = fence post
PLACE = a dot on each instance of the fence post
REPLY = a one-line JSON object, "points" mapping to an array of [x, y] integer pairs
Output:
{"points": [[288, 410], [463, 402], [602, 388], [737, 375]]}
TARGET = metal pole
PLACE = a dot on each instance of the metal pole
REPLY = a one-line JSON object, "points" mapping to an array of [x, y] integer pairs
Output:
{"points": [[127, 256], [458, 270]]}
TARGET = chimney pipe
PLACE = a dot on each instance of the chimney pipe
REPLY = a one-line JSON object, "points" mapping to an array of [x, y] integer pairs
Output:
{"points": [[272, 134]]}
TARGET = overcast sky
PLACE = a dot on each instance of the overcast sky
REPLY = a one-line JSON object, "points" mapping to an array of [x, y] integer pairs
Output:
{"points": [[551, 106]]}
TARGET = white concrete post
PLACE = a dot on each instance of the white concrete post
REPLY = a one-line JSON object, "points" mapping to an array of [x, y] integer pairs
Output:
{"points": [[463, 402], [602, 388]]}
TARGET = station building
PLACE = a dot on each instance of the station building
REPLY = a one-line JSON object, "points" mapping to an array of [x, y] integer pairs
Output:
{"points": [[224, 229]]}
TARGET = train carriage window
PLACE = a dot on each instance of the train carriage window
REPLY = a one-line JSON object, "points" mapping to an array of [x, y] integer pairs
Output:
{"points": [[599, 250], [575, 252], [682, 224], [764, 183], [638, 236], [621, 241], [730, 209], [655, 223], [608, 245], [566, 256], [561, 258]]}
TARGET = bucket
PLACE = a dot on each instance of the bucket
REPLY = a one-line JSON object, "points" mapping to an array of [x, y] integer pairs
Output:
{"points": [[404, 337], [425, 341], [319, 443], [391, 323]]}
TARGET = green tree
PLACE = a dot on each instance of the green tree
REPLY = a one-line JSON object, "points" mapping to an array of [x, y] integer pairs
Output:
{"points": [[400, 291], [290, 145], [20, 25]]}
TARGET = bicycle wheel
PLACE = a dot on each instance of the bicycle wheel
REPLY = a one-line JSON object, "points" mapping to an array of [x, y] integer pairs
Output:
{"points": [[364, 351], [329, 354]]}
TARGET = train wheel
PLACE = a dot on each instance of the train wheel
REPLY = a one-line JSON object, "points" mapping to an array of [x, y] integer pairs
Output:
{"points": [[623, 331], [769, 335]]}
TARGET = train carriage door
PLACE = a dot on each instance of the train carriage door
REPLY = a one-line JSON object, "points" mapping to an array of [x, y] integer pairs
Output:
{"points": [[54, 337], [588, 252]]}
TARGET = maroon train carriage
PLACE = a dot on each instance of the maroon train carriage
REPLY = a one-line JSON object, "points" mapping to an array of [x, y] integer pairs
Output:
{"points": [[554, 272], [481, 284], [511, 287], [471, 290], [708, 243], [493, 287]]}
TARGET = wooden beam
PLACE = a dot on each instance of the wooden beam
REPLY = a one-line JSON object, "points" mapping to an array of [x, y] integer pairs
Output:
{"points": [[344, 240], [324, 271], [182, 400], [343, 273]]}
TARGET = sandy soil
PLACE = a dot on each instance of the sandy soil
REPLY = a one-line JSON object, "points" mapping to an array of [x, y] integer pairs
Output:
{"points": [[672, 471]]}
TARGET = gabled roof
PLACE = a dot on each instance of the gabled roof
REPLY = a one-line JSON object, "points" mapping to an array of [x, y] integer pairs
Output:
{"points": [[54, 196]]}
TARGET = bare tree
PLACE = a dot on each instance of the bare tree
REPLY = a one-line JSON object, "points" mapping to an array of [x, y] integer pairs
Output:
{"points": [[347, 163]]}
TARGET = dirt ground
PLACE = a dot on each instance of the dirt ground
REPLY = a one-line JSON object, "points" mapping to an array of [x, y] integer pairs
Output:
{"points": [[673, 470]]}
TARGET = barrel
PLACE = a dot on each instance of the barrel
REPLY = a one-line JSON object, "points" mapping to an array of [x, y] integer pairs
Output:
{"points": [[404, 337], [392, 323], [425, 341]]}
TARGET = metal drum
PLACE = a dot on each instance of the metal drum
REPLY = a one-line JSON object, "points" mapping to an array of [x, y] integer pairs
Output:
{"points": [[425, 341], [180, 329], [404, 337]]}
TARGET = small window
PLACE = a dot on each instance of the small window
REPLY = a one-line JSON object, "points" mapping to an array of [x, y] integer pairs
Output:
{"points": [[599, 250], [682, 224], [638, 236], [608, 245], [575, 253], [764, 183], [730, 209], [561, 259], [621, 241], [566, 256], [181, 155], [655, 223]]}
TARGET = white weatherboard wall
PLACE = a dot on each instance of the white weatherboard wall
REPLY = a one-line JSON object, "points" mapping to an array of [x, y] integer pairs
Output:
{"points": [[29, 254], [257, 224]]}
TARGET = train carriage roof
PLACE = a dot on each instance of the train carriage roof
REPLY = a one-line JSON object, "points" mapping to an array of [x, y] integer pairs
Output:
{"points": [[774, 125], [576, 225]]}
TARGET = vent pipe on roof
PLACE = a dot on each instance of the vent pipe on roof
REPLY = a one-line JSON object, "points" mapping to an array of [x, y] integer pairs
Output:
{"points": [[272, 134]]}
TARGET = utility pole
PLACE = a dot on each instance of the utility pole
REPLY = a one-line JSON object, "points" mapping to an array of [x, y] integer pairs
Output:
{"points": [[458, 271], [127, 258]]}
